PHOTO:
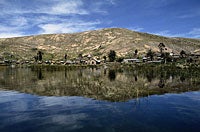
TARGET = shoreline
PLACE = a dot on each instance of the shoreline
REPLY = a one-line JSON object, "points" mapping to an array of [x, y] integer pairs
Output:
{"points": [[111, 65]]}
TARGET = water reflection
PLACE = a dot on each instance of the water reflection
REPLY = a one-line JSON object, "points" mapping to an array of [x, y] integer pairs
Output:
{"points": [[99, 83], [39, 75], [168, 112], [112, 75], [161, 83], [150, 75]]}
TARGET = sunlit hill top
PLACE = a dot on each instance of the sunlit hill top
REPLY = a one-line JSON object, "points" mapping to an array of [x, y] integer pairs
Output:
{"points": [[96, 43]]}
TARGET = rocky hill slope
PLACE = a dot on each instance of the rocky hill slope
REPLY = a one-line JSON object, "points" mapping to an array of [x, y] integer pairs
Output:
{"points": [[96, 42]]}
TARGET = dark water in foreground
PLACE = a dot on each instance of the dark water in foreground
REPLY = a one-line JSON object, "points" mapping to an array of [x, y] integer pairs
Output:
{"points": [[170, 112], [84, 100]]}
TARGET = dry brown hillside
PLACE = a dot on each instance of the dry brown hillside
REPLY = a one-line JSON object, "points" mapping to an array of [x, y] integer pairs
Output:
{"points": [[96, 43]]}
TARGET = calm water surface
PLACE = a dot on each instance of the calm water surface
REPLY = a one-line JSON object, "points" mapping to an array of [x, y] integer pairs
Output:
{"points": [[51, 101]]}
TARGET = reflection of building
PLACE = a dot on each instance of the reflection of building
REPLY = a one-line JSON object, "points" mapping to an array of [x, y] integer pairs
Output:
{"points": [[1, 60]]}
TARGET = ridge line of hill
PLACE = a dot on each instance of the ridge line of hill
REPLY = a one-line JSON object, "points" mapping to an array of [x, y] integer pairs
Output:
{"points": [[96, 42]]}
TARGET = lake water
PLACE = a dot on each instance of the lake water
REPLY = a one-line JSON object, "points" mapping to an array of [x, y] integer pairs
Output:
{"points": [[98, 99]]}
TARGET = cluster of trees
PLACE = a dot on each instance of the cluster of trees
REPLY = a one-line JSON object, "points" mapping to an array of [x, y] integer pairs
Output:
{"points": [[166, 55], [113, 57], [39, 55]]}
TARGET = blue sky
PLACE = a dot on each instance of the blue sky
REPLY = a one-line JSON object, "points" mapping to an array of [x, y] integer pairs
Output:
{"points": [[172, 18]]}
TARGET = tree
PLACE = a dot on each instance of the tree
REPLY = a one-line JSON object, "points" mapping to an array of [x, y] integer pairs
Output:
{"points": [[150, 54], [183, 54], [36, 58], [136, 52], [104, 57], [65, 56], [161, 46], [39, 54], [166, 56], [120, 59], [80, 57], [190, 60], [112, 55]]}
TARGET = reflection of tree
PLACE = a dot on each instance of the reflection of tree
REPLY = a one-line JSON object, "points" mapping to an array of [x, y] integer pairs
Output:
{"points": [[115, 85], [111, 75], [150, 75], [161, 83], [65, 72], [136, 78], [39, 75], [182, 78], [104, 72], [80, 73]]}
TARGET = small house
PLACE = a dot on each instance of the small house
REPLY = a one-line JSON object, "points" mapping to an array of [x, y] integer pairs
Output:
{"points": [[93, 61], [131, 61]]}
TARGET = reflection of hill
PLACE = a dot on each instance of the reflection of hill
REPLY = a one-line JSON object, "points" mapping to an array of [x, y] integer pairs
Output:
{"points": [[102, 84]]}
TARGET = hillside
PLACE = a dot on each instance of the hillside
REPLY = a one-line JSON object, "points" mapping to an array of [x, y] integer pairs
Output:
{"points": [[96, 43]]}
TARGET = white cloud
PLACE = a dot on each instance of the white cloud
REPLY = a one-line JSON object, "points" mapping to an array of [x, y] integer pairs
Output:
{"points": [[18, 26], [156, 3], [68, 27], [113, 2], [167, 33], [136, 28], [189, 14], [70, 7], [186, 16], [19, 21], [11, 35], [2, 1], [55, 7], [18, 18], [96, 7], [8, 32], [195, 32], [46, 19]]}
